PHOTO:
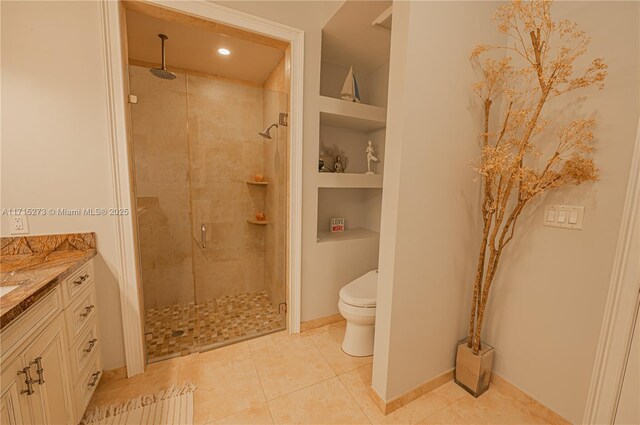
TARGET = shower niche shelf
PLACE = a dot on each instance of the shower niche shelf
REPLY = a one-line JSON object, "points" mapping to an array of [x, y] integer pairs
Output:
{"points": [[259, 223], [257, 183]]}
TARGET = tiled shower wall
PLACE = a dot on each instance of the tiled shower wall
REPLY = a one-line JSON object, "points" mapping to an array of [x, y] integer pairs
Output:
{"points": [[226, 151], [196, 144], [161, 157]]}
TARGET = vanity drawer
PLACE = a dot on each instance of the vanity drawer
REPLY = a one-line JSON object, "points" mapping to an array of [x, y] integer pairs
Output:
{"points": [[86, 385], [74, 284], [81, 353], [81, 312]]}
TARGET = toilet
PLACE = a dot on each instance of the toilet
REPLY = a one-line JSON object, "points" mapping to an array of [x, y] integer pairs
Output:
{"points": [[358, 306]]}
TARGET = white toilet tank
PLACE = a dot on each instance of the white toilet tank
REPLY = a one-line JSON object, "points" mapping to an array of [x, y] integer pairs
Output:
{"points": [[362, 291]]}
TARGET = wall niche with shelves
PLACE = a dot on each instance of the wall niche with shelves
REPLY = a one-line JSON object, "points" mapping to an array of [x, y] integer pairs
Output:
{"points": [[359, 207], [350, 39]]}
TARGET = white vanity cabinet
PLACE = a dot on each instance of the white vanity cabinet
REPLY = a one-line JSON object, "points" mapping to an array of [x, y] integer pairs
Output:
{"points": [[50, 356]]}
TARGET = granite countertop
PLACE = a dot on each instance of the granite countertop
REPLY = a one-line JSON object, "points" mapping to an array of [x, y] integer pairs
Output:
{"points": [[34, 265]]}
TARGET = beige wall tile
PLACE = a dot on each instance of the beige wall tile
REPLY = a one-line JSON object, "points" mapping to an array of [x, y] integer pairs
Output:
{"points": [[160, 147]]}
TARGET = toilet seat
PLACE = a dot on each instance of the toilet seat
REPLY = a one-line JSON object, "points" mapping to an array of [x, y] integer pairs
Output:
{"points": [[352, 310], [361, 292]]}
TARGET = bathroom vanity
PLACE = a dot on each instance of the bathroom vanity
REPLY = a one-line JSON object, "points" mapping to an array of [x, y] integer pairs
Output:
{"points": [[50, 352]]}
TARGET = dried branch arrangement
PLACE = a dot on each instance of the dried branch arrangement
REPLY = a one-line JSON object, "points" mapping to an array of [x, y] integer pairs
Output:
{"points": [[519, 161]]}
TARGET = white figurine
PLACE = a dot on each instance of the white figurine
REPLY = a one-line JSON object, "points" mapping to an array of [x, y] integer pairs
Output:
{"points": [[370, 157]]}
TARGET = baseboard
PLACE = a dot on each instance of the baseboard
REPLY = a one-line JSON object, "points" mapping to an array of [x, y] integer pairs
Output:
{"points": [[532, 404], [117, 373], [322, 321], [406, 398], [499, 382]]}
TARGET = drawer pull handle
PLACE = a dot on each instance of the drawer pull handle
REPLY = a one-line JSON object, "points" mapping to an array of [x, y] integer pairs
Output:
{"points": [[96, 376], [81, 279], [27, 380], [87, 310], [39, 370], [92, 344]]}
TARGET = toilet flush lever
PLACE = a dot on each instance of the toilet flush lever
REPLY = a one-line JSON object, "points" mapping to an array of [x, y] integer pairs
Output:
{"points": [[203, 235]]}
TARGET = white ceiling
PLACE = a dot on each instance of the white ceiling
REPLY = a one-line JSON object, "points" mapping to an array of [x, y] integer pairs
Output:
{"points": [[350, 39], [195, 48]]}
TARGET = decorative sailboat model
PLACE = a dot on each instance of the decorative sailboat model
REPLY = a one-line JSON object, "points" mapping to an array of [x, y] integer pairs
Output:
{"points": [[350, 90]]}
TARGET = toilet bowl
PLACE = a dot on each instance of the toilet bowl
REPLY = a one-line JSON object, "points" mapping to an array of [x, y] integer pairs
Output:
{"points": [[357, 305]]}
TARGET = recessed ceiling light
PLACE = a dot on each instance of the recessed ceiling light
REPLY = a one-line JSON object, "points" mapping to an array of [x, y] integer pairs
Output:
{"points": [[224, 51]]}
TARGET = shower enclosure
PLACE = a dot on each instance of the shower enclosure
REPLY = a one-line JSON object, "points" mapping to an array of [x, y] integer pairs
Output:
{"points": [[212, 273]]}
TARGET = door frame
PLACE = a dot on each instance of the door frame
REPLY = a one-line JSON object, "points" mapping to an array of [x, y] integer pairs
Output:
{"points": [[128, 273], [620, 309]]}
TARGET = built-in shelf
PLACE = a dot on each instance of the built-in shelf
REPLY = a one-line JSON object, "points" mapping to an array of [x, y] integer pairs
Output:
{"points": [[350, 180], [257, 183], [351, 115], [258, 222], [347, 235]]}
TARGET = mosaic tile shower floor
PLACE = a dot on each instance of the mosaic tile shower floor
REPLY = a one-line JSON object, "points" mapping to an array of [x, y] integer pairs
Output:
{"points": [[183, 328]]}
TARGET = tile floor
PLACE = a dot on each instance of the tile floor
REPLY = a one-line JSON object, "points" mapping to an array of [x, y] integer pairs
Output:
{"points": [[215, 321], [304, 379]]}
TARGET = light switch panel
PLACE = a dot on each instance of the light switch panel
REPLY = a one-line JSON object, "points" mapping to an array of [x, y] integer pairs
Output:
{"points": [[562, 215], [551, 214], [573, 217], [566, 216]]}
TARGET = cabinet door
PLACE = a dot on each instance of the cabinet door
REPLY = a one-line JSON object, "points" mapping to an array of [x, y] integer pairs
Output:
{"points": [[13, 405], [51, 401]]}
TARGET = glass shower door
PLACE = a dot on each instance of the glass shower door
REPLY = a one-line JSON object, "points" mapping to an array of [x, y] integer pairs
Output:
{"points": [[212, 273], [161, 178], [238, 272]]}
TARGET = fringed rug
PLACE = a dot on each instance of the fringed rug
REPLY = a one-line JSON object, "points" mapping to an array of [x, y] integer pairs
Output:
{"points": [[171, 407]]}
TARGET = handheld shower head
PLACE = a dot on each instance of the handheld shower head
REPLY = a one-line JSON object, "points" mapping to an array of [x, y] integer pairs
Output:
{"points": [[265, 133], [162, 72]]}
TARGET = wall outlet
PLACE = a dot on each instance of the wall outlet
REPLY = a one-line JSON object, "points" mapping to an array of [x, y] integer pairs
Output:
{"points": [[566, 216], [19, 224]]}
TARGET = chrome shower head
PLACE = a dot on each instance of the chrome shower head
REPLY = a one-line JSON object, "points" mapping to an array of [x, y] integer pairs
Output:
{"points": [[265, 133], [162, 72]]}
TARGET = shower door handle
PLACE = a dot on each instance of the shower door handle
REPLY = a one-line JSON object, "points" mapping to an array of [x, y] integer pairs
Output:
{"points": [[203, 235]]}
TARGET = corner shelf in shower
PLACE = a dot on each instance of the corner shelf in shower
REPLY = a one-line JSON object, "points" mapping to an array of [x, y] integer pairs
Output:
{"points": [[257, 183], [259, 223]]}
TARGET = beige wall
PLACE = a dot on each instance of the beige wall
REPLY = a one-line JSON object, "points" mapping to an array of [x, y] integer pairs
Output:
{"points": [[548, 298], [55, 135], [547, 303], [429, 207], [161, 157]]}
